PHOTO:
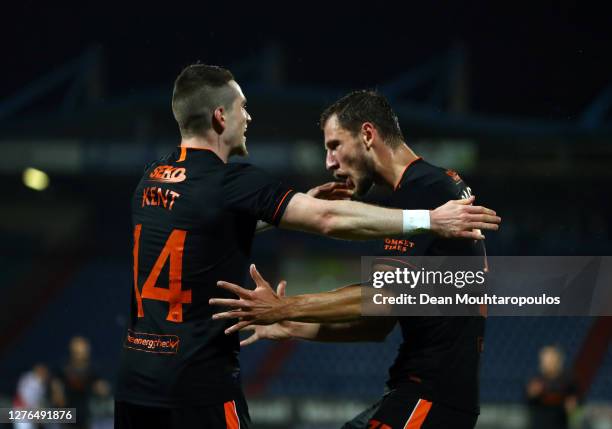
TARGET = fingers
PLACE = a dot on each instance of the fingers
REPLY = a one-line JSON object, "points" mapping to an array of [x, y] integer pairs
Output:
{"points": [[325, 187], [341, 194], [232, 314], [235, 289], [483, 225], [474, 235], [229, 302], [331, 191], [238, 326], [250, 340], [466, 201], [329, 186], [280, 289], [257, 278], [480, 210], [483, 218], [334, 185]]}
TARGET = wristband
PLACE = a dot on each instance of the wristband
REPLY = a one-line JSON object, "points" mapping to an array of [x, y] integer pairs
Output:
{"points": [[414, 220]]}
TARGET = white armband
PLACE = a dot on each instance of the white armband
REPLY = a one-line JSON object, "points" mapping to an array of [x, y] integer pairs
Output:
{"points": [[415, 220]]}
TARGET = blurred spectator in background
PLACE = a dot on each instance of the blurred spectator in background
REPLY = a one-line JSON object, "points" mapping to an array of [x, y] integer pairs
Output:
{"points": [[32, 388], [77, 380], [101, 406], [31, 391], [551, 396]]}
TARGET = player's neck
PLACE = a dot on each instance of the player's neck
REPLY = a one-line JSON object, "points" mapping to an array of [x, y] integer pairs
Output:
{"points": [[208, 143], [393, 164]]}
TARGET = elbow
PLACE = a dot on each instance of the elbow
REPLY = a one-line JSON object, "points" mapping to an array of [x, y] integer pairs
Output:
{"points": [[328, 225], [327, 220]]}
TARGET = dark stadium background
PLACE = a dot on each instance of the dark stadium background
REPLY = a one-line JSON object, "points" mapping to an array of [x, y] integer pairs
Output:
{"points": [[517, 100]]}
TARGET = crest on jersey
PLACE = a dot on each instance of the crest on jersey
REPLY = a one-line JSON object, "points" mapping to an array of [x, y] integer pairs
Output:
{"points": [[453, 175]]}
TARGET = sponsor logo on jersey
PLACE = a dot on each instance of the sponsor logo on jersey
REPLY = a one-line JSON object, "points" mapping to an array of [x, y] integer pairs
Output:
{"points": [[168, 174], [400, 245], [152, 343]]}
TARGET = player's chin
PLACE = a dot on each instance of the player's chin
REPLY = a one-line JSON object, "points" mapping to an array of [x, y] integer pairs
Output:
{"points": [[240, 150], [362, 187]]}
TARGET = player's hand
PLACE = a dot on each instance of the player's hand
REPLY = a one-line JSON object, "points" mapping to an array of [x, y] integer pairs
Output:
{"points": [[253, 307], [331, 191], [276, 331], [460, 219]]}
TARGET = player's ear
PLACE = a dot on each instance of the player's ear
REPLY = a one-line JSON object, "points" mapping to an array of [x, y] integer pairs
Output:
{"points": [[218, 120], [367, 134]]}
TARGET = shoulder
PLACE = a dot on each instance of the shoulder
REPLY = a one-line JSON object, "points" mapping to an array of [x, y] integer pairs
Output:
{"points": [[238, 167], [452, 185], [235, 171], [246, 178], [443, 182], [164, 160]]}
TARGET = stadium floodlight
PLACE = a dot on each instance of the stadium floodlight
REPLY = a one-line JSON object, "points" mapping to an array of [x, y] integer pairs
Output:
{"points": [[35, 179]]}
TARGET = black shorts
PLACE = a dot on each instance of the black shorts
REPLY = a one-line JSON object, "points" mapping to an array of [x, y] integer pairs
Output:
{"points": [[403, 410], [229, 415]]}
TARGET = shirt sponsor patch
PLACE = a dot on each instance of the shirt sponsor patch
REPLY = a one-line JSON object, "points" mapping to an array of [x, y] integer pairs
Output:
{"points": [[152, 343], [168, 174]]}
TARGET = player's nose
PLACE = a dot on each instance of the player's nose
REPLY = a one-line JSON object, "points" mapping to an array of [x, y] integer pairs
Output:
{"points": [[331, 163]]}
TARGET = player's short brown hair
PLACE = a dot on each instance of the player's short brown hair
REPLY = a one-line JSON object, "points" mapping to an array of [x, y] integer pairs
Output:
{"points": [[198, 90], [358, 107]]}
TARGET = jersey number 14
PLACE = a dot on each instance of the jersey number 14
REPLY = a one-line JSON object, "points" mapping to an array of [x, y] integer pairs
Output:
{"points": [[173, 295]]}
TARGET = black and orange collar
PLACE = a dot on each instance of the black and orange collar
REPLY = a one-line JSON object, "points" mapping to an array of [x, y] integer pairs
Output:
{"points": [[399, 182]]}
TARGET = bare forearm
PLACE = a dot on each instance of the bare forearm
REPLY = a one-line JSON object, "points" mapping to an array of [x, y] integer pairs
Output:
{"points": [[357, 221], [360, 330], [352, 220], [339, 305], [349, 220]]}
